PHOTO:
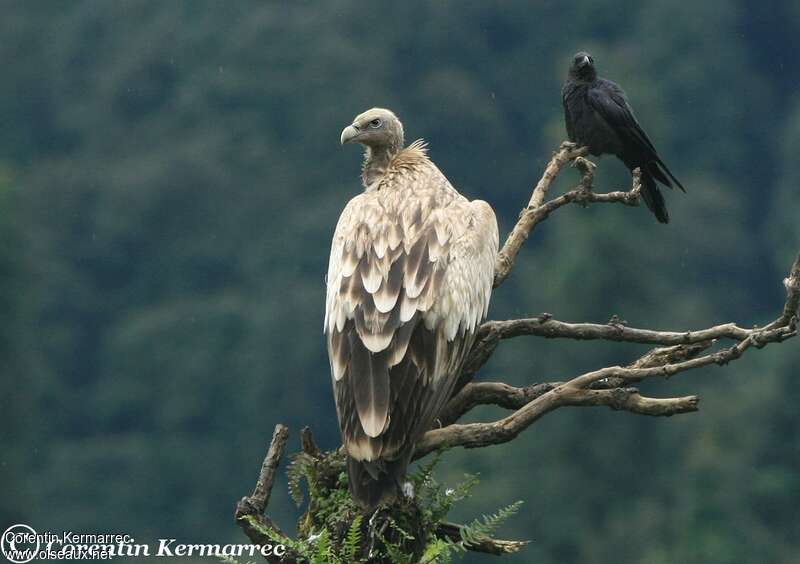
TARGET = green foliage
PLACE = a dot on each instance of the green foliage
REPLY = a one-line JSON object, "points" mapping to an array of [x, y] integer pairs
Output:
{"points": [[333, 529], [352, 542], [440, 551], [323, 554], [300, 465], [232, 560], [478, 530], [443, 550], [308, 550]]}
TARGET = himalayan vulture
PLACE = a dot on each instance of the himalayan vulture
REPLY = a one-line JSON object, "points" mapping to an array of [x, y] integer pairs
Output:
{"points": [[409, 280]]}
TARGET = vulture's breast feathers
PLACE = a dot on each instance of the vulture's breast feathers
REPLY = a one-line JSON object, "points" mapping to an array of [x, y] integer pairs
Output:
{"points": [[409, 280]]}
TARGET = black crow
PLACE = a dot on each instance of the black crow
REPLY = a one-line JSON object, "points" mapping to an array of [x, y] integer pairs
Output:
{"points": [[598, 116]]}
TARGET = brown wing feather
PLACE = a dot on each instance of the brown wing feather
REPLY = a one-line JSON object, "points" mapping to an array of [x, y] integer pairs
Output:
{"points": [[406, 264]]}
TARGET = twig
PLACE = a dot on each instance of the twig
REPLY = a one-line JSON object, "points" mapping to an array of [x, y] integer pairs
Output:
{"points": [[488, 545], [505, 259], [671, 355], [263, 489], [475, 435], [791, 309], [490, 393], [537, 211], [583, 195], [546, 326], [719, 358], [656, 357], [251, 508], [307, 443], [509, 397]]}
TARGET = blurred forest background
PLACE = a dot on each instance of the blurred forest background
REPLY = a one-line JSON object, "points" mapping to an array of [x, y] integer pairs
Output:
{"points": [[170, 177]]}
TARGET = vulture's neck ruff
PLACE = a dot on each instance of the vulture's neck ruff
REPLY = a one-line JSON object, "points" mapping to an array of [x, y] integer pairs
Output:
{"points": [[377, 165], [376, 162]]}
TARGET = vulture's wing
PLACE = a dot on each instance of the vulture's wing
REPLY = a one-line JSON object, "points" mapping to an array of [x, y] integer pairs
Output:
{"points": [[409, 280], [609, 100]]}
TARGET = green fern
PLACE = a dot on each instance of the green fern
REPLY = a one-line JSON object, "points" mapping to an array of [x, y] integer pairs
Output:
{"points": [[396, 554], [463, 489], [297, 546], [324, 552], [439, 551], [424, 472], [440, 500], [352, 541], [479, 530], [398, 529], [231, 560], [301, 466]]}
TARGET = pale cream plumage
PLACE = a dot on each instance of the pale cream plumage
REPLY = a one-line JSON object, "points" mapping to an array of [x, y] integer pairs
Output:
{"points": [[409, 280]]}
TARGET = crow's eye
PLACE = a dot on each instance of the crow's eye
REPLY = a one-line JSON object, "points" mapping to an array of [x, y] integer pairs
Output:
{"points": [[375, 123]]}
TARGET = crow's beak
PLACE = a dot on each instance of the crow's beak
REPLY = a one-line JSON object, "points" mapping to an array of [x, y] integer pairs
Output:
{"points": [[349, 133], [585, 61]]}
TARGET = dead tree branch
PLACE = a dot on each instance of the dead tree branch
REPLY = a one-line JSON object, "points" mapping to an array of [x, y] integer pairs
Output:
{"points": [[500, 394], [250, 509], [498, 547], [791, 309], [549, 328], [537, 211], [578, 391], [491, 393], [492, 332]]}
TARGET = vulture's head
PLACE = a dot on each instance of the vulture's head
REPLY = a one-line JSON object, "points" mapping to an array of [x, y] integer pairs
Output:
{"points": [[582, 66], [377, 128]]}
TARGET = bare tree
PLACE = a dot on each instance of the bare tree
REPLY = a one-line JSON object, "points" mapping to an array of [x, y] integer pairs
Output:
{"points": [[677, 352]]}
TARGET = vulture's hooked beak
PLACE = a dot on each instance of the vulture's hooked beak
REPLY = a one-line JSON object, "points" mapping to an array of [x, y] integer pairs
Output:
{"points": [[585, 61], [349, 133]]}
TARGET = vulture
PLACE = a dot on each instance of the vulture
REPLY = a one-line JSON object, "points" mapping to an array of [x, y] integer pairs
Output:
{"points": [[409, 279], [598, 116]]}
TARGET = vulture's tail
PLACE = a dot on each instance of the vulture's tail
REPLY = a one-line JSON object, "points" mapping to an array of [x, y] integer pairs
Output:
{"points": [[373, 483], [653, 198]]}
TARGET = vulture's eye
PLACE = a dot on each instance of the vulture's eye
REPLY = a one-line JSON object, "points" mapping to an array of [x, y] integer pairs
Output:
{"points": [[375, 123]]}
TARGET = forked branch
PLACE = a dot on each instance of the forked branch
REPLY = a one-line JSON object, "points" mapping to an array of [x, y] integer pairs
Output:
{"points": [[533, 402], [538, 210], [250, 509]]}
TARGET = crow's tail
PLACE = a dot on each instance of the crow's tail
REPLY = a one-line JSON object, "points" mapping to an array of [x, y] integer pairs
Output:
{"points": [[373, 483], [653, 198]]}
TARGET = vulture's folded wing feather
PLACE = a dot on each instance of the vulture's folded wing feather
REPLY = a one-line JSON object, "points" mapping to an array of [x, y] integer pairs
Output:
{"points": [[409, 280]]}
